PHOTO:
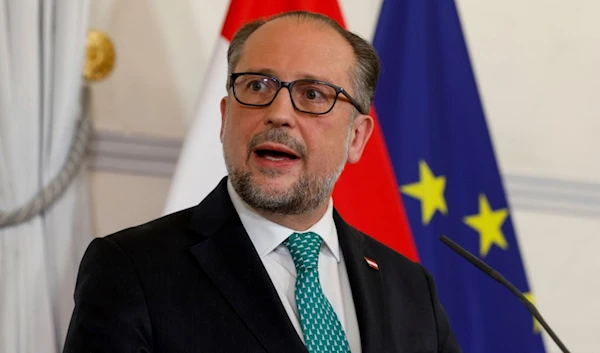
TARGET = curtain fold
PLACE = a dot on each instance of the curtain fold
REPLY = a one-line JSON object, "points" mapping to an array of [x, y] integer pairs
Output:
{"points": [[42, 48]]}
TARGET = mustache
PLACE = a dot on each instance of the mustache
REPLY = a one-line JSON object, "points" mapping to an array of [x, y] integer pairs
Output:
{"points": [[278, 136]]}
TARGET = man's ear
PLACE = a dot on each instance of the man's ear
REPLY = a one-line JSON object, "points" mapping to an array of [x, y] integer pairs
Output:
{"points": [[362, 128], [223, 116]]}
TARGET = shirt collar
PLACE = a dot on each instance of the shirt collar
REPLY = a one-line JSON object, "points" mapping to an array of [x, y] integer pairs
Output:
{"points": [[267, 236]]}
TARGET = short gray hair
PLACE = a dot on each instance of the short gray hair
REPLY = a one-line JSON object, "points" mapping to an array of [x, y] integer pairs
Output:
{"points": [[364, 78]]}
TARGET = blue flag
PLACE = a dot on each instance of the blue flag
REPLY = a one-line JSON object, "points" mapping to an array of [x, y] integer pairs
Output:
{"points": [[435, 131]]}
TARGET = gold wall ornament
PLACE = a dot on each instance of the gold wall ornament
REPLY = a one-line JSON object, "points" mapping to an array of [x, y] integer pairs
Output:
{"points": [[100, 56]]}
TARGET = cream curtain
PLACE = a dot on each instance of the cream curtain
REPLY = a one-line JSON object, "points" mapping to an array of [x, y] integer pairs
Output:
{"points": [[41, 58]]}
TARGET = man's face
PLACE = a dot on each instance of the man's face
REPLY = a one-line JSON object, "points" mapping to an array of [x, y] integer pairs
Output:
{"points": [[281, 160]]}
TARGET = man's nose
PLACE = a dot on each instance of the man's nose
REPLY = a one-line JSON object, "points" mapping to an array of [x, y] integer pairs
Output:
{"points": [[281, 111]]}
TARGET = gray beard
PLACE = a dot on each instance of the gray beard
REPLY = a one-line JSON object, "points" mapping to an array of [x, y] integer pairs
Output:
{"points": [[307, 193]]}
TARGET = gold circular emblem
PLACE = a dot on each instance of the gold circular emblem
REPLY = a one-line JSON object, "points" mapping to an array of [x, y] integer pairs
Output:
{"points": [[100, 56]]}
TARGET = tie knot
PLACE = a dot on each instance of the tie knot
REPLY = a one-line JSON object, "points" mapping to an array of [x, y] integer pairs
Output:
{"points": [[304, 248]]}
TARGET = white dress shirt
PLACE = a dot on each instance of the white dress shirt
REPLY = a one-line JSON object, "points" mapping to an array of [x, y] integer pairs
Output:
{"points": [[267, 238]]}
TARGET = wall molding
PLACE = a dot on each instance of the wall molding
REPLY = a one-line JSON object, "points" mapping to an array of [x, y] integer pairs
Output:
{"points": [[133, 154], [154, 156], [552, 195]]}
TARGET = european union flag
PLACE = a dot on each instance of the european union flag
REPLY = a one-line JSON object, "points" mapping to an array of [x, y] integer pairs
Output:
{"points": [[435, 130]]}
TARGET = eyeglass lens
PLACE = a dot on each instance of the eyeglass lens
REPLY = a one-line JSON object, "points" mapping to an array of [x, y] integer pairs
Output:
{"points": [[307, 95]]}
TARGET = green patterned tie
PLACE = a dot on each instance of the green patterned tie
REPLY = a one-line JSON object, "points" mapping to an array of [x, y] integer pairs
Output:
{"points": [[321, 327]]}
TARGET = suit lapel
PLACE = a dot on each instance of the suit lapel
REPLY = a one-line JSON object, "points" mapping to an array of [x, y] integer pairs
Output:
{"points": [[366, 285], [229, 258]]}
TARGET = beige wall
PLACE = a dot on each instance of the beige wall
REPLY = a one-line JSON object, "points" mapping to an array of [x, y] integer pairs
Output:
{"points": [[121, 201], [143, 96], [537, 67]]}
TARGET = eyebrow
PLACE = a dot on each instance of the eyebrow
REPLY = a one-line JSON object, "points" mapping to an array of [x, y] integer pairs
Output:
{"points": [[302, 75]]}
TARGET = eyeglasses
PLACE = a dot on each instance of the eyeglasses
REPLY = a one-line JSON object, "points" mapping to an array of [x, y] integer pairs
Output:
{"points": [[308, 96]]}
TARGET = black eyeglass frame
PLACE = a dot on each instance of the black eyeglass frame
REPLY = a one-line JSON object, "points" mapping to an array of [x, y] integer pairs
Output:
{"points": [[289, 85]]}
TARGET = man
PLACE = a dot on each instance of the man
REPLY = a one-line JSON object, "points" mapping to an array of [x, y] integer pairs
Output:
{"points": [[264, 263]]}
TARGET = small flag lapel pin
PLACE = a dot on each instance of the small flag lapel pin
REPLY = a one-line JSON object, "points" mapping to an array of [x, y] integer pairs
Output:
{"points": [[372, 263]]}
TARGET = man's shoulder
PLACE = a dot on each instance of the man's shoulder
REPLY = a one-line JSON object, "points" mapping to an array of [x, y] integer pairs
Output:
{"points": [[399, 271], [380, 251], [386, 253], [163, 232], [177, 230], [392, 262]]}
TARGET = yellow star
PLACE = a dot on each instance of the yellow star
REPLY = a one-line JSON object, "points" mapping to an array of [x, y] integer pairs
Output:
{"points": [[489, 225], [429, 190], [536, 325]]}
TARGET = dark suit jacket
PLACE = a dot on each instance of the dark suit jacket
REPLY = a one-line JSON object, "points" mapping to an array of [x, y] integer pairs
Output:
{"points": [[193, 282]]}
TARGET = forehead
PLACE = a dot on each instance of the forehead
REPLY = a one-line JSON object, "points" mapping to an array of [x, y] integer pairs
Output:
{"points": [[292, 49]]}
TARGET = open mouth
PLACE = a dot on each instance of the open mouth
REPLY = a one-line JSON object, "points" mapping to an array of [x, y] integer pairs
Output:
{"points": [[275, 155]]}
